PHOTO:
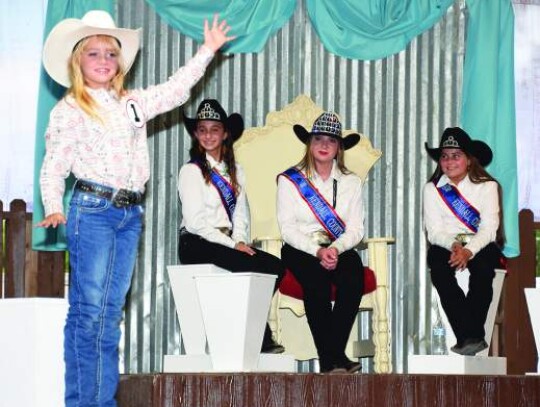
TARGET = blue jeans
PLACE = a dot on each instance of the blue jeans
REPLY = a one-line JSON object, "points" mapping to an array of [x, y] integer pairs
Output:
{"points": [[102, 243]]}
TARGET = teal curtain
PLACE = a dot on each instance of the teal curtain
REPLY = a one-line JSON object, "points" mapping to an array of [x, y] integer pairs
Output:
{"points": [[49, 94], [252, 21], [372, 29], [488, 109]]}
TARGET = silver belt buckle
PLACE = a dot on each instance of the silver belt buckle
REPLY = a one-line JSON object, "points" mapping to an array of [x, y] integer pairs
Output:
{"points": [[463, 238], [321, 238], [122, 198]]}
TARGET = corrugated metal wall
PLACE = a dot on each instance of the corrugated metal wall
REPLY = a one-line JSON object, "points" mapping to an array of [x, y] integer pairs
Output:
{"points": [[398, 102]]}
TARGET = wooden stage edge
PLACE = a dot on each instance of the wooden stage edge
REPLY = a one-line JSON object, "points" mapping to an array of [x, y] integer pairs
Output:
{"points": [[328, 390]]}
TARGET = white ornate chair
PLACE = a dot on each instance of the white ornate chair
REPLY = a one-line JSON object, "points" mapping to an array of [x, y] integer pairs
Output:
{"points": [[266, 151]]}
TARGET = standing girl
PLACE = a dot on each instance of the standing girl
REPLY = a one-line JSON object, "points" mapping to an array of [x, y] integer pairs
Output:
{"points": [[321, 218], [463, 221], [215, 211], [98, 133]]}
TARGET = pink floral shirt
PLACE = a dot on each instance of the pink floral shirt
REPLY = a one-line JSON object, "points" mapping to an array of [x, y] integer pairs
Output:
{"points": [[113, 152]]}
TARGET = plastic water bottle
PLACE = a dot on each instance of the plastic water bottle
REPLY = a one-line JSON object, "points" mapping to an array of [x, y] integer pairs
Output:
{"points": [[438, 339]]}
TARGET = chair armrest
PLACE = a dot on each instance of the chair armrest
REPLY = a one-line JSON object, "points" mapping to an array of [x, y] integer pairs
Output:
{"points": [[378, 262], [269, 244], [378, 257]]}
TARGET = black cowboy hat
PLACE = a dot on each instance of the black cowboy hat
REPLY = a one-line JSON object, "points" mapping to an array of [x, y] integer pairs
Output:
{"points": [[456, 137], [210, 109], [327, 124]]}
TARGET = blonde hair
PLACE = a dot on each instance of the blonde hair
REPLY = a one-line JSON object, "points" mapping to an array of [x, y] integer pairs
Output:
{"points": [[78, 89], [307, 164]]}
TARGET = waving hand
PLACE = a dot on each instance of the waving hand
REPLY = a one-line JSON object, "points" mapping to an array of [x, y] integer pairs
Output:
{"points": [[216, 35]]}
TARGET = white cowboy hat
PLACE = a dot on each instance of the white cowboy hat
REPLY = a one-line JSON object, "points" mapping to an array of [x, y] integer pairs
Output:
{"points": [[67, 33]]}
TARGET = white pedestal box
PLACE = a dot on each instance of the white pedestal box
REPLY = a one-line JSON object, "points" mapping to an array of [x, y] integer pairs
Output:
{"points": [[235, 309], [450, 364], [227, 310], [453, 363], [533, 303], [186, 298], [32, 348], [462, 278]]}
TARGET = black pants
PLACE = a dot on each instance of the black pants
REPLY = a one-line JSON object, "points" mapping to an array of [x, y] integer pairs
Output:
{"points": [[330, 327], [193, 249], [466, 313]]}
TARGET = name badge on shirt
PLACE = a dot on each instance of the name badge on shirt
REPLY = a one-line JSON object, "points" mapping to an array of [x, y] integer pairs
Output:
{"points": [[135, 113]]}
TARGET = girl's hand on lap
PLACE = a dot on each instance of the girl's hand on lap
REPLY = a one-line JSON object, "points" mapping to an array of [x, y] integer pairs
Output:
{"points": [[241, 246], [328, 257], [460, 257]]}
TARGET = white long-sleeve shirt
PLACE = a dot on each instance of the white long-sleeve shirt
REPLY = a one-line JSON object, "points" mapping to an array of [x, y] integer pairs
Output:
{"points": [[202, 209], [297, 222], [442, 225], [112, 152]]}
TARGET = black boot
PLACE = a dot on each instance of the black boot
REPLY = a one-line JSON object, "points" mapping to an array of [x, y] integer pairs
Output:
{"points": [[345, 363], [269, 345]]}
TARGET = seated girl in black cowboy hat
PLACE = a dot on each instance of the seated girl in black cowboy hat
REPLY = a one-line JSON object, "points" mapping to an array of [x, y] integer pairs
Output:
{"points": [[321, 219], [215, 212], [463, 221]]}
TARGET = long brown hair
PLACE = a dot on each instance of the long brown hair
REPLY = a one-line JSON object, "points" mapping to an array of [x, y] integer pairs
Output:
{"points": [[198, 153], [307, 163], [477, 175], [78, 88]]}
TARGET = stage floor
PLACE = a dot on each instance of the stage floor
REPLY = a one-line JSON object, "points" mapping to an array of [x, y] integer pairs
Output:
{"points": [[318, 390]]}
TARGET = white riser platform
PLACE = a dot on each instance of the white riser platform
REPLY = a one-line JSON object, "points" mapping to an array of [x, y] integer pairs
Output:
{"points": [[449, 364], [32, 362], [203, 363]]}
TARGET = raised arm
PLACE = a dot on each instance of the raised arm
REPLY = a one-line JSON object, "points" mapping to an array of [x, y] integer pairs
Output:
{"points": [[216, 35]]}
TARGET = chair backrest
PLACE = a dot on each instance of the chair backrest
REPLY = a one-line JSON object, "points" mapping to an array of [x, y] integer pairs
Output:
{"points": [[264, 152]]}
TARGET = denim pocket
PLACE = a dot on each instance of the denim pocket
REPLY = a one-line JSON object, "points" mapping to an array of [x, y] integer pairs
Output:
{"points": [[90, 202]]}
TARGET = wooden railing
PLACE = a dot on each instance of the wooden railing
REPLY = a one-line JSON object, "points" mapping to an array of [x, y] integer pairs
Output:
{"points": [[26, 272], [517, 342]]}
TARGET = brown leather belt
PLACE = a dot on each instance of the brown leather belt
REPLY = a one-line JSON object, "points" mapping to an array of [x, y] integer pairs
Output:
{"points": [[119, 197]]}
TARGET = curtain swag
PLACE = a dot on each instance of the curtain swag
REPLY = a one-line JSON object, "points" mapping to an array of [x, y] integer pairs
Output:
{"points": [[357, 29]]}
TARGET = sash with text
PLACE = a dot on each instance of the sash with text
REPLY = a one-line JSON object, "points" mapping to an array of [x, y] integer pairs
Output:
{"points": [[323, 211], [463, 210], [224, 189]]}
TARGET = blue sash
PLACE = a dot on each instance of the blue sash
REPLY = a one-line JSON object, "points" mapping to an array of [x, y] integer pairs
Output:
{"points": [[463, 210], [224, 189], [323, 211]]}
